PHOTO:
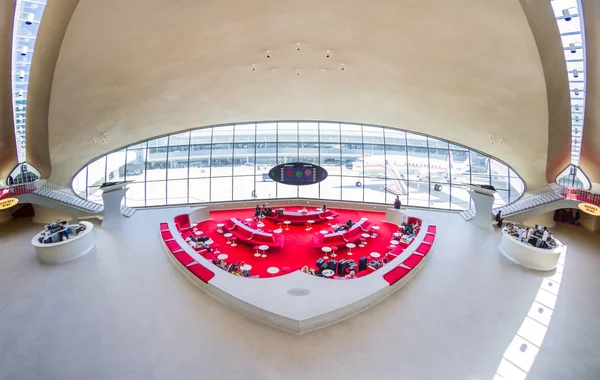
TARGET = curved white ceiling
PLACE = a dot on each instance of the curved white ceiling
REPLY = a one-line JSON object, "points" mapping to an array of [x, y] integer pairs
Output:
{"points": [[464, 71], [28, 15], [570, 24]]}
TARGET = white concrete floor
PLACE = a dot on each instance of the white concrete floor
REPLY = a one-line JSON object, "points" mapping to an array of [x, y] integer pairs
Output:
{"points": [[124, 312]]}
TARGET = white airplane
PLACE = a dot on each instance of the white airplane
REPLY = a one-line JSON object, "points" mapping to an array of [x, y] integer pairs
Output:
{"points": [[421, 167]]}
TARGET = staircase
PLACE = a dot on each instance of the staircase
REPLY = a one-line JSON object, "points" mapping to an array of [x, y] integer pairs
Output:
{"points": [[532, 199], [398, 183], [540, 200], [64, 196], [467, 214]]}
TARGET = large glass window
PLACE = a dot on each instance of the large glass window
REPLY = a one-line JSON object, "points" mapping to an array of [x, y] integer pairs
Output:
{"points": [[364, 163]]}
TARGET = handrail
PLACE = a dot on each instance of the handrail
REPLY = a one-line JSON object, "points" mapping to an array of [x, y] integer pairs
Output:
{"points": [[581, 195]]}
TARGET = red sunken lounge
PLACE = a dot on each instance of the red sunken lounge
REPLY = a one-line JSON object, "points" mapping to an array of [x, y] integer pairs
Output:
{"points": [[293, 247]]}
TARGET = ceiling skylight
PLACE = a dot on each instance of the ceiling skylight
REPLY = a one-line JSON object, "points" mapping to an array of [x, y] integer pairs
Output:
{"points": [[572, 33], [28, 14]]}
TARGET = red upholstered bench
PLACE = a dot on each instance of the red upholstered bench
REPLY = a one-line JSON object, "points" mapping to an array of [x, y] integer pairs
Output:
{"points": [[412, 261], [173, 246], [432, 229], [424, 249], [362, 273], [201, 272], [429, 238], [182, 222], [183, 258], [395, 275], [166, 235], [164, 227]]}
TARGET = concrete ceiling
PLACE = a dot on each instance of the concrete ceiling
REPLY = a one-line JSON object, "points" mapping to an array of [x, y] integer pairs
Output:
{"points": [[57, 15], [8, 154], [590, 147], [547, 37], [465, 71]]}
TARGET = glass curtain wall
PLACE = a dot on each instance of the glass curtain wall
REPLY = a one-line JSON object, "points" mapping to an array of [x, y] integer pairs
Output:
{"points": [[364, 163]]}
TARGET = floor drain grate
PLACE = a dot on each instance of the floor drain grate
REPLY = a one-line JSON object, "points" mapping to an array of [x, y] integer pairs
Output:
{"points": [[298, 292]]}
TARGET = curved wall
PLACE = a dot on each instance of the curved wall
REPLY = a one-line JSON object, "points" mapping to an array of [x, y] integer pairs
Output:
{"points": [[8, 153], [364, 164], [464, 71], [547, 37], [49, 40]]}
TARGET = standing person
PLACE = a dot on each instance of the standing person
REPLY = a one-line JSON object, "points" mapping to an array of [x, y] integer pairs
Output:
{"points": [[545, 235], [499, 219], [397, 203], [11, 182], [253, 194]]}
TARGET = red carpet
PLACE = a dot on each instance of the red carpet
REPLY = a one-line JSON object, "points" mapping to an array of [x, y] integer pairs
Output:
{"points": [[297, 250]]}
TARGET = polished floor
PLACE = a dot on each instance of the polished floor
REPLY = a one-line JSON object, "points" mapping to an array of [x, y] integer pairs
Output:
{"points": [[125, 312]]}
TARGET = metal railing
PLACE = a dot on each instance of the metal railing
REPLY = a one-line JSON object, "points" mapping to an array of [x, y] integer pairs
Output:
{"points": [[581, 195]]}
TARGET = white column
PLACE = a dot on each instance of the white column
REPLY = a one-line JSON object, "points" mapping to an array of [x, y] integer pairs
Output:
{"points": [[112, 206], [483, 209]]}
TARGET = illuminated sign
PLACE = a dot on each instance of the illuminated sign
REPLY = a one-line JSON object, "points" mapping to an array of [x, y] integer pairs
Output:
{"points": [[589, 208], [8, 203]]}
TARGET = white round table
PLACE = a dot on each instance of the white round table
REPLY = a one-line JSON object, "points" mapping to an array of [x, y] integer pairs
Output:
{"points": [[209, 242], [324, 232], [394, 242], [260, 225], [326, 250], [277, 231], [309, 224], [220, 227], [228, 235], [264, 249], [375, 255], [328, 273], [350, 246], [287, 224], [273, 270], [375, 229], [249, 220], [222, 256], [198, 233], [366, 236], [329, 218]]}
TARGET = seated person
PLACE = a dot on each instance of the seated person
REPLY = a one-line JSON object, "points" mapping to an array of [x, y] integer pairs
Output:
{"points": [[341, 228], [324, 208], [408, 230], [349, 223], [303, 210], [352, 274]]}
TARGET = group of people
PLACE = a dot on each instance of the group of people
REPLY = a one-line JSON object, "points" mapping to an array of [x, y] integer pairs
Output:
{"points": [[538, 236], [345, 226], [59, 231], [237, 269], [198, 242], [409, 228], [350, 266]]}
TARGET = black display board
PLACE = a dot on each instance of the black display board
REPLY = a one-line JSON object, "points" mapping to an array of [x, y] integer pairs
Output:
{"points": [[298, 173]]}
